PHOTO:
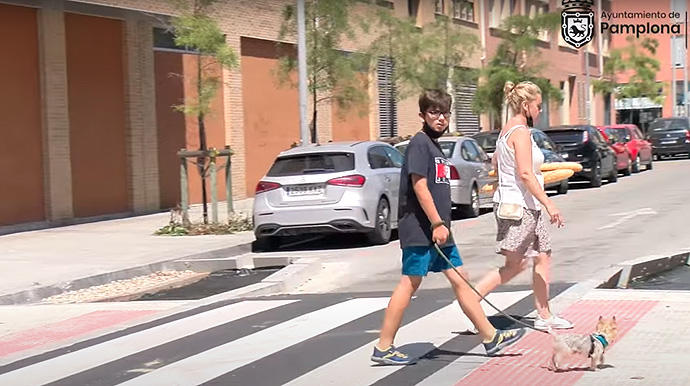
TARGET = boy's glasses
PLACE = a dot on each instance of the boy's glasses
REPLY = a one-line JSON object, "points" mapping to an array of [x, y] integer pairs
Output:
{"points": [[435, 114]]}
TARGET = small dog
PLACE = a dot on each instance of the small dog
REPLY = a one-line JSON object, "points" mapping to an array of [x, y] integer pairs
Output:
{"points": [[592, 345]]}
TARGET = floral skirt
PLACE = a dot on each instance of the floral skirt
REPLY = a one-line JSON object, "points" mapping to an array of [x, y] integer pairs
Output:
{"points": [[528, 236]]}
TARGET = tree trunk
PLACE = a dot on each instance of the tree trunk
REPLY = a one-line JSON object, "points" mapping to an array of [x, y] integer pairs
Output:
{"points": [[201, 161], [314, 139]]}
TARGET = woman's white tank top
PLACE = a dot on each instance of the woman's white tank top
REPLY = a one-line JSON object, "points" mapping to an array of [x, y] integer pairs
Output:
{"points": [[511, 190]]}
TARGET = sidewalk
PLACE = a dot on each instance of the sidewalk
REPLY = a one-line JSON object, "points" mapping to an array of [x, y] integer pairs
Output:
{"points": [[38, 259]]}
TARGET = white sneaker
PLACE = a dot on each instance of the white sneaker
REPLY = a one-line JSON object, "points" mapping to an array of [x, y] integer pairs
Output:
{"points": [[555, 322]]}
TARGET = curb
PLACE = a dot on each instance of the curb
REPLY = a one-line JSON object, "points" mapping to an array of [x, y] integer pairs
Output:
{"points": [[643, 267], [37, 294]]}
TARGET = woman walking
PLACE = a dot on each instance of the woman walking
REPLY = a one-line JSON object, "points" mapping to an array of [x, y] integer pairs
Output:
{"points": [[519, 202]]}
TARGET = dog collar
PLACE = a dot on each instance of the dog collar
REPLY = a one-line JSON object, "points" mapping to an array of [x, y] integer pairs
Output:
{"points": [[600, 338]]}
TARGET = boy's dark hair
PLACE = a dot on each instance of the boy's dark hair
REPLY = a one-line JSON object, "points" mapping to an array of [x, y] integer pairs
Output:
{"points": [[434, 98]]}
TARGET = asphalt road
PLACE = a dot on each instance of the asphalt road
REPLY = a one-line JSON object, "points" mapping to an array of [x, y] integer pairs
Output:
{"points": [[640, 215]]}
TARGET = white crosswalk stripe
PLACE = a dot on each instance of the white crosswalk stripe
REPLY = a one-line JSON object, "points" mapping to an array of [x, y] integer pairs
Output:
{"points": [[210, 364], [433, 329], [311, 328], [81, 360]]}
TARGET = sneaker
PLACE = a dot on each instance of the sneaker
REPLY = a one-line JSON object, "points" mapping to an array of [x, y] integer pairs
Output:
{"points": [[555, 322], [391, 357], [503, 339]]}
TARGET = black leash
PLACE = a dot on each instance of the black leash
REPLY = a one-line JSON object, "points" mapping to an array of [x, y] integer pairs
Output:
{"points": [[440, 252]]}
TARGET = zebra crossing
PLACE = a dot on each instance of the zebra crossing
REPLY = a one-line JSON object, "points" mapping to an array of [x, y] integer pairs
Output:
{"points": [[294, 340]]}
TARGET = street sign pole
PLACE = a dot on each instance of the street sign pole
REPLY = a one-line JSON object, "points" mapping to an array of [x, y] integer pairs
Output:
{"points": [[302, 72]]}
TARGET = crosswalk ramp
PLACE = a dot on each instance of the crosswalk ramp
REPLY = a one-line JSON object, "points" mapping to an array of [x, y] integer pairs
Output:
{"points": [[299, 340]]}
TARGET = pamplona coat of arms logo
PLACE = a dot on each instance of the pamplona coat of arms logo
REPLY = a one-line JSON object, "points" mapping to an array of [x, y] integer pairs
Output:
{"points": [[577, 22]]}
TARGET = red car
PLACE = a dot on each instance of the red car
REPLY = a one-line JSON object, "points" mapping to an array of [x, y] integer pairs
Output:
{"points": [[639, 148], [623, 158]]}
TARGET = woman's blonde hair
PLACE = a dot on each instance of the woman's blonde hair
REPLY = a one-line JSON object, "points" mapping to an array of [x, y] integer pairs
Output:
{"points": [[516, 94]]}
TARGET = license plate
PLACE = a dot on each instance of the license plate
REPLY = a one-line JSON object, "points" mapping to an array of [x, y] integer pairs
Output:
{"points": [[307, 190], [668, 142]]}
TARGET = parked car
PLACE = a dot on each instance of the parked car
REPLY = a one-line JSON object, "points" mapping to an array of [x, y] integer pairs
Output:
{"points": [[669, 136], [338, 187], [584, 144], [639, 148], [551, 151], [487, 140], [469, 173], [616, 141]]}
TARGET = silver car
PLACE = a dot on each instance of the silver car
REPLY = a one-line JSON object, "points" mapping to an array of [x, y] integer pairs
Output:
{"points": [[337, 187], [471, 187]]}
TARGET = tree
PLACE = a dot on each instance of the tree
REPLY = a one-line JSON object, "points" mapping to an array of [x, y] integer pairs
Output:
{"points": [[637, 59], [429, 57], [332, 75], [516, 60], [195, 29]]}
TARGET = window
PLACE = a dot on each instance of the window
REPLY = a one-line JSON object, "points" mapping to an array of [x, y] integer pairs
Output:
{"points": [[534, 8], [548, 145], [499, 10], [439, 7], [463, 10], [395, 156], [482, 155], [165, 39], [388, 109], [313, 163], [378, 158], [447, 148], [470, 152]]}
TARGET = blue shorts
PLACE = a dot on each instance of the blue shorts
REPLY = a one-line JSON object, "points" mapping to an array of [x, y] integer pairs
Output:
{"points": [[418, 261]]}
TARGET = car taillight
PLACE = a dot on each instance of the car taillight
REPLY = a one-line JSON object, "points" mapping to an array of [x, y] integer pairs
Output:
{"points": [[585, 136], [265, 186], [687, 136], [354, 180], [454, 175]]}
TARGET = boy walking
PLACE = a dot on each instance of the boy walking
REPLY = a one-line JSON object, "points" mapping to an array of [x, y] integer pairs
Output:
{"points": [[424, 218]]}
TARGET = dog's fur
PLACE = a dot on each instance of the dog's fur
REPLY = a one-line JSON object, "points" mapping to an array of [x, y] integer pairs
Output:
{"points": [[569, 344]]}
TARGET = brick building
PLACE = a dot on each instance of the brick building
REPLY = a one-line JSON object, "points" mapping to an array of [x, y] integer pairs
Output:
{"points": [[88, 128]]}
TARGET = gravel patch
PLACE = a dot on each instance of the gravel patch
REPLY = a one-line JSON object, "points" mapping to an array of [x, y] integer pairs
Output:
{"points": [[127, 289]]}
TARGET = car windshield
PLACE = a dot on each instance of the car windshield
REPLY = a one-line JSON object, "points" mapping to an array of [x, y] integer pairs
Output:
{"points": [[617, 134], [669, 125], [487, 141], [447, 148], [401, 148], [312, 163], [566, 136]]}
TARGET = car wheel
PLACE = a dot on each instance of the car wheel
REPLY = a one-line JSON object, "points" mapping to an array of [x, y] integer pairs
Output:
{"points": [[628, 170], [636, 165], [595, 182], [613, 177], [267, 243], [563, 187], [382, 228], [649, 165], [473, 209]]}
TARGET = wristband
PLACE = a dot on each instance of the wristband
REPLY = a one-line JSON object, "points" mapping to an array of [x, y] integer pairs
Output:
{"points": [[436, 225]]}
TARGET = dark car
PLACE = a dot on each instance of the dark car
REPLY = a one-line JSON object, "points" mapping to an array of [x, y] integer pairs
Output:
{"points": [[487, 140], [669, 136], [585, 145]]}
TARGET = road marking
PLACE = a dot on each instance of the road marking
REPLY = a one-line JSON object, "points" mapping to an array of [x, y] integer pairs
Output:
{"points": [[75, 362], [222, 359], [626, 216], [433, 329]]}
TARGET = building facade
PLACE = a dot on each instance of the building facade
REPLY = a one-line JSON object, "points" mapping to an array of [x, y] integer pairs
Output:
{"points": [[89, 127]]}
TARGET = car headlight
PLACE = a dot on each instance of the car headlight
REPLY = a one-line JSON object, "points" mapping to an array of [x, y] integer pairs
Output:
{"points": [[564, 155]]}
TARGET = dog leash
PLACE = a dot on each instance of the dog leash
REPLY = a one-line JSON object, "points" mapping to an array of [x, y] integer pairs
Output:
{"points": [[443, 255]]}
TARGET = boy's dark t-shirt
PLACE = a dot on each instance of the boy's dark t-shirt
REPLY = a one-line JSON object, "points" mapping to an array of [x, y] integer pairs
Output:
{"points": [[425, 158]]}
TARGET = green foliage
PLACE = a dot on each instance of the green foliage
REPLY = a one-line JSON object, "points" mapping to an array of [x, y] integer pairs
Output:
{"points": [[236, 223], [332, 75], [637, 59], [195, 29], [423, 58], [516, 60]]}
